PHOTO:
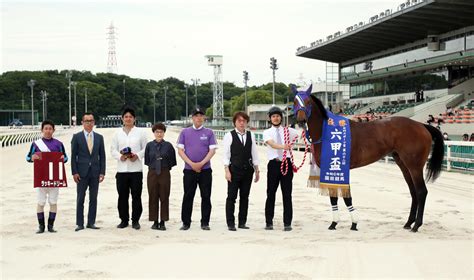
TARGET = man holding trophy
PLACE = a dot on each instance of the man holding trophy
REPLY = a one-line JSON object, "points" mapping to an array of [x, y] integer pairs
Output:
{"points": [[128, 148]]}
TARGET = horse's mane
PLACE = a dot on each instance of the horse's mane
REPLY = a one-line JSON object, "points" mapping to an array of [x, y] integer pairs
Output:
{"points": [[320, 106]]}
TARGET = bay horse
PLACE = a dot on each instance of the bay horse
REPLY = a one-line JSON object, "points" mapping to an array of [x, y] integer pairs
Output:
{"points": [[408, 141]]}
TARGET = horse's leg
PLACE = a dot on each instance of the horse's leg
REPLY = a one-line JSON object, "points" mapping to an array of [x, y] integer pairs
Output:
{"points": [[335, 213], [411, 186], [421, 193], [354, 218]]}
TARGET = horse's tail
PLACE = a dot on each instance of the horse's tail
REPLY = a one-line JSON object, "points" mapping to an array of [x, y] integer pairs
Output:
{"points": [[435, 162]]}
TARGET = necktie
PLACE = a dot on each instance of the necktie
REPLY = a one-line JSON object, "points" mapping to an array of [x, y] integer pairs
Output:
{"points": [[89, 142], [158, 159], [279, 141]]}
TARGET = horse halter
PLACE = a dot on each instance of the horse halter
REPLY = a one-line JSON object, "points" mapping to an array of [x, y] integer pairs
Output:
{"points": [[301, 99]]}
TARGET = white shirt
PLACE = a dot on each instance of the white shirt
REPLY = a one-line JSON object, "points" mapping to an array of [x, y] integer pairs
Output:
{"points": [[227, 142], [136, 140], [86, 134], [271, 134]]}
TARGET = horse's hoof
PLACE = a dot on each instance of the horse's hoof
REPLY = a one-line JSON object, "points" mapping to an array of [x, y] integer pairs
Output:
{"points": [[332, 226], [354, 227]]}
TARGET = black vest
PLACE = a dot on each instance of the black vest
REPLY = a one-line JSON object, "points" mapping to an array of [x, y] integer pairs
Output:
{"points": [[240, 155]]}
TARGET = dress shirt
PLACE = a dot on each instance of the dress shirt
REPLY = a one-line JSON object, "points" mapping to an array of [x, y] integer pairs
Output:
{"points": [[227, 142], [136, 140], [271, 134]]}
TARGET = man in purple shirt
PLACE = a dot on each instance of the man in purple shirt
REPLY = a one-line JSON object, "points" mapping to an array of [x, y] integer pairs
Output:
{"points": [[196, 146]]}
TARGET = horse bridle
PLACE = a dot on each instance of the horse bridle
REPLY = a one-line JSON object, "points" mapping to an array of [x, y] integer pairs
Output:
{"points": [[301, 98]]}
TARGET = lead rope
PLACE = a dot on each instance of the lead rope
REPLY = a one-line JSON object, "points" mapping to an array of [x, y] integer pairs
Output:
{"points": [[284, 163]]}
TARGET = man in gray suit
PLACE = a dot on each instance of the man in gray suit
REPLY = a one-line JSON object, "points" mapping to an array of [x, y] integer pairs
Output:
{"points": [[88, 169]]}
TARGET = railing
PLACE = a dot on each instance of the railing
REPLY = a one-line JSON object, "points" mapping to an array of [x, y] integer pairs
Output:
{"points": [[9, 139], [299, 145], [459, 155]]}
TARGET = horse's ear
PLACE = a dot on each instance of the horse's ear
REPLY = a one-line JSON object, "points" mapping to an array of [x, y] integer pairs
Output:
{"points": [[310, 89], [294, 90]]}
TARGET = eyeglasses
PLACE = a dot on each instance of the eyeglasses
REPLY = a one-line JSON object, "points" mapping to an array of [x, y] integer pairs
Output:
{"points": [[88, 121]]}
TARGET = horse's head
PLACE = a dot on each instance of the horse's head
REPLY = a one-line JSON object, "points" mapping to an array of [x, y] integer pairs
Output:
{"points": [[309, 110], [302, 105]]}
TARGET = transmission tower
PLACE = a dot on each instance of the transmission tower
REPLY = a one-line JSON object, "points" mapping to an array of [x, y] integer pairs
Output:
{"points": [[112, 59], [217, 88]]}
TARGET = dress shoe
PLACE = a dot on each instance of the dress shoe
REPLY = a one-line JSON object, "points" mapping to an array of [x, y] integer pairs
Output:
{"points": [[269, 227], [185, 227], [136, 225], [162, 226], [287, 228], [205, 227], [332, 226], [122, 225], [92, 226], [79, 228], [232, 228], [243, 227], [155, 225]]}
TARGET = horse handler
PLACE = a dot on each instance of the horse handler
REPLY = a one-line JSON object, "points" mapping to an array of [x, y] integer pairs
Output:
{"points": [[273, 138]]}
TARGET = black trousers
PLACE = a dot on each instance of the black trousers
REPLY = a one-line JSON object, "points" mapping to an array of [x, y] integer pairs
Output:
{"points": [[274, 178], [241, 181], [93, 184], [191, 180], [129, 182]]}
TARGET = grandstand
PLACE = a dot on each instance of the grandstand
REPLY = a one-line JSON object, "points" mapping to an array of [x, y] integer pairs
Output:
{"points": [[418, 45]]}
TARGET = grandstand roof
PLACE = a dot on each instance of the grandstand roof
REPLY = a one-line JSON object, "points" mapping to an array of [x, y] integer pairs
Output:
{"points": [[415, 22]]}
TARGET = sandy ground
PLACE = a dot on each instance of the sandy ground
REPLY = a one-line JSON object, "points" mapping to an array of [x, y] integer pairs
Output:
{"points": [[443, 248]]}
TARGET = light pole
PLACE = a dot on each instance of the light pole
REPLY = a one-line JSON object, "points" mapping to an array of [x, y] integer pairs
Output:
{"points": [[166, 116], [44, 98], [85, 101], [74, 84], [274, 67], [186, 115], [31, 84], [69, 76], [246, 78], [196, 83], [123, 91], [154, 105]]}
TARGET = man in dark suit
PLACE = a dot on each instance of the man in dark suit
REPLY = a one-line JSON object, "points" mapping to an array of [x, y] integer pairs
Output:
{"points": [[88, 169]]}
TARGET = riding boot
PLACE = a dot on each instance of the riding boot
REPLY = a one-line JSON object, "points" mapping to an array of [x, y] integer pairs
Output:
{"points": [[40, 226], [52, 217], [51, 225]]}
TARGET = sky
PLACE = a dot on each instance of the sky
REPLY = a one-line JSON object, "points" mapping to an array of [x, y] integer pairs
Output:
{"points": [[160, 39]]}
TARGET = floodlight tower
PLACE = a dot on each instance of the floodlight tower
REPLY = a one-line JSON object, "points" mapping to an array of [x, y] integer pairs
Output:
{"points": [[217, 88]]}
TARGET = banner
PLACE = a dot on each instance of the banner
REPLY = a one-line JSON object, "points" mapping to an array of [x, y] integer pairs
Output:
{"points": [[335, 154], [49, 171]]}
